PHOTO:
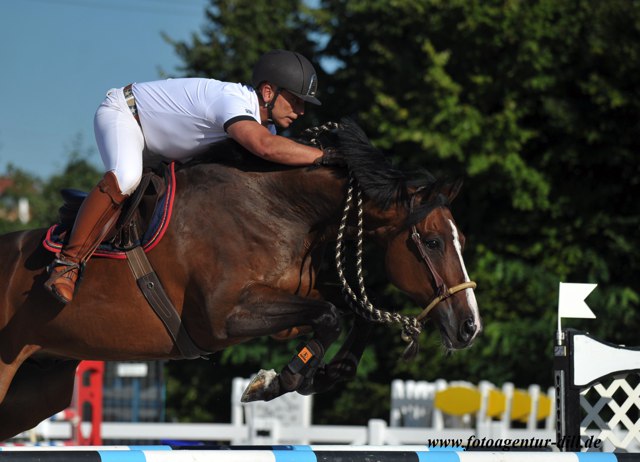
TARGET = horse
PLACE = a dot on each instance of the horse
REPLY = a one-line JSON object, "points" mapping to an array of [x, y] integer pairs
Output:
{"points": [[240, 259]]}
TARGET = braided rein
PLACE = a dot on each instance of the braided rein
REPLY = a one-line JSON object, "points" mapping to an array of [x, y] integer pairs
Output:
{"points": [[360, 304]]}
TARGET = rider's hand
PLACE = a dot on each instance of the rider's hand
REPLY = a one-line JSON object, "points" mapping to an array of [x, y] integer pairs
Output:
{"points": [[331, 158]]}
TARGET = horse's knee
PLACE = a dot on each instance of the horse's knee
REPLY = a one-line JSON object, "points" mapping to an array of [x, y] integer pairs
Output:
{"points": [[328, 326], [334, 316]]}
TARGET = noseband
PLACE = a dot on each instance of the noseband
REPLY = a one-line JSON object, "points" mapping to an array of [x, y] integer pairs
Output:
{"points": [[442, 292]]}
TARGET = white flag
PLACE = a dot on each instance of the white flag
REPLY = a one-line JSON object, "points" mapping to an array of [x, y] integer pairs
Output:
{"points": [[571, 302]]}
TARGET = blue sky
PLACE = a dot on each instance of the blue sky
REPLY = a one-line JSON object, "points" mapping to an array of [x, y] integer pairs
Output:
{"points": [[58, 58]]}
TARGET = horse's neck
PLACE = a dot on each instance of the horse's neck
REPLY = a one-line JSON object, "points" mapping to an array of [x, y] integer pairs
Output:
{"points": [[314, 195], [324, 193], [306, 198], [300, 197]]}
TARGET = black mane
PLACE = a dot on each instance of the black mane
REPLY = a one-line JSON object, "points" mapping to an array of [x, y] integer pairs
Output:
{"points": [[379, 180], [373, 171]]}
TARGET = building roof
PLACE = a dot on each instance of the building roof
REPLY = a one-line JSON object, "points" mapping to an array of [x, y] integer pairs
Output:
{"points": [[5, 183]]}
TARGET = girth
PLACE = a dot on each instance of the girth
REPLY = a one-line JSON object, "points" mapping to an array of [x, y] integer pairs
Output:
{"points": [[154, 292]]}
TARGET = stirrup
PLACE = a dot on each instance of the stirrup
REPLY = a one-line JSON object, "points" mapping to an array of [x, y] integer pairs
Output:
{"points": [[70, 266]]}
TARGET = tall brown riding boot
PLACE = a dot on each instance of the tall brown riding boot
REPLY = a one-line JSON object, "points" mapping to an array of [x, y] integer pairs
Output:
{"points": [[97, 215]]}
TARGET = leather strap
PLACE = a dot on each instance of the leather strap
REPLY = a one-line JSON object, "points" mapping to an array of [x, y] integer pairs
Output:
{"points": [[442, 292], [131, 102], [439, 283], [152, 289]]}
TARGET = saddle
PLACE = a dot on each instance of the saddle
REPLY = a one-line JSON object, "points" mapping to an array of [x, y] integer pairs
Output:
{"points": [[142, 223]]}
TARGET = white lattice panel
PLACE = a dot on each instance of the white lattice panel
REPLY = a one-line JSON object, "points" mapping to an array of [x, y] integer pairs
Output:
{"points": [[610, 414]]}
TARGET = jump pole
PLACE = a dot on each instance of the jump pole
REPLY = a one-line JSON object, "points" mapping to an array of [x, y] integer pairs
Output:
{"points": [[301, 454]]}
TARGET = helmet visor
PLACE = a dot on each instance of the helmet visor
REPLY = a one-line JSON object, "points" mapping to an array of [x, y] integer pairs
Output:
{"points": [[306, 98]]}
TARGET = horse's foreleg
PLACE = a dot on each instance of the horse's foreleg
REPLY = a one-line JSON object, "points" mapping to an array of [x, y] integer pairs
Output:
{"points": [[344, 364], [266, 311], [39, 389]]}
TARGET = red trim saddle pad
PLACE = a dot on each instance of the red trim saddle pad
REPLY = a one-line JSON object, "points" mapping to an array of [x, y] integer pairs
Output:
{"points": [[158, 226]]}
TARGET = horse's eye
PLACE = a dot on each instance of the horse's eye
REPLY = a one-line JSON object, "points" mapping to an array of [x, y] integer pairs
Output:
{"points": [[432, 244]]}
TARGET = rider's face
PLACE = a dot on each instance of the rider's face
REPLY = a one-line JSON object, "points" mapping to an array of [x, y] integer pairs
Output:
{"points": [[287, 109]]}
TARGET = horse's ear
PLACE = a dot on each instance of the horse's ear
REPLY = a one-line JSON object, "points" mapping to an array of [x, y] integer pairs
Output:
{"points": [[451, 190]]}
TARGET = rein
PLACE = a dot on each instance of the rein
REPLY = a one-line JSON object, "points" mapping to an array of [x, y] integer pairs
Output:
{"points": [[411, 325]]}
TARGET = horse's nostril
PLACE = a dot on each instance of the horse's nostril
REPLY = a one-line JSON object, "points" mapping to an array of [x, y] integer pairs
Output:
{"points": [[467, 329]]}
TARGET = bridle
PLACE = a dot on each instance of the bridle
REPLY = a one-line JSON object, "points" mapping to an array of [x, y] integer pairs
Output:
{"points": [[442, 292], [360, 304]]}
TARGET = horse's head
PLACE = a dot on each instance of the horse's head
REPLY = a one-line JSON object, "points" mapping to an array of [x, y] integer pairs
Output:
{"points": [[412, 220], [424, 259]]}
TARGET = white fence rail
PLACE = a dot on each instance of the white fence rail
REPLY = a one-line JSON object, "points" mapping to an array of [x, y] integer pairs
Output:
{"points": [[377, 432], [417, 416]]}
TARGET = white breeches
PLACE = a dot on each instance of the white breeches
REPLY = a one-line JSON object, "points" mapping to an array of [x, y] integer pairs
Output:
{"points": [[120, 140]]}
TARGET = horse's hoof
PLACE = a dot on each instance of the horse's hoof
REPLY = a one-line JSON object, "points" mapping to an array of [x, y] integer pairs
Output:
{"points": [[263, 387]]}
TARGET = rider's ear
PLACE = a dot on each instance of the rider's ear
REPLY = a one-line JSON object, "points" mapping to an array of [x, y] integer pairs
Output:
{"points": [[266, 91]]}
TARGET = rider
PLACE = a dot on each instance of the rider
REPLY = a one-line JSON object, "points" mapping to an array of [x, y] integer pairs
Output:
{"points": [[177, 119]]}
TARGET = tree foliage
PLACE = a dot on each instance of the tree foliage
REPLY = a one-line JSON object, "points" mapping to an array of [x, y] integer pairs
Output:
{"points": [[534, 104], [44, 194]]}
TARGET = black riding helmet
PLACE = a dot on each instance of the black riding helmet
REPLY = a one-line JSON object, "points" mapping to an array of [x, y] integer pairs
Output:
{"points": [[287, 70]]}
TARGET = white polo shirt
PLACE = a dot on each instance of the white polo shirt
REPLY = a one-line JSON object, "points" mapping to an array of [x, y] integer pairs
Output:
{"points": [[182, 117]]}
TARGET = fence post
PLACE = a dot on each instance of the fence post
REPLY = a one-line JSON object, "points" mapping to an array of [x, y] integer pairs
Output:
{"points": [[88, 399], [264, 430], [376, 432], [567, 395]]}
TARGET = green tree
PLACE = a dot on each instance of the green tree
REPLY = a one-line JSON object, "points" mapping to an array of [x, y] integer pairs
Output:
{"points": [[79, 173], [237, 34], [24, 185], [44, 195], [535, 104]]}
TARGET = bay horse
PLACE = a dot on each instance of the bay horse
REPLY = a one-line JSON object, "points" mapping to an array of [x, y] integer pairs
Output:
{"points": [[239, 260]]}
